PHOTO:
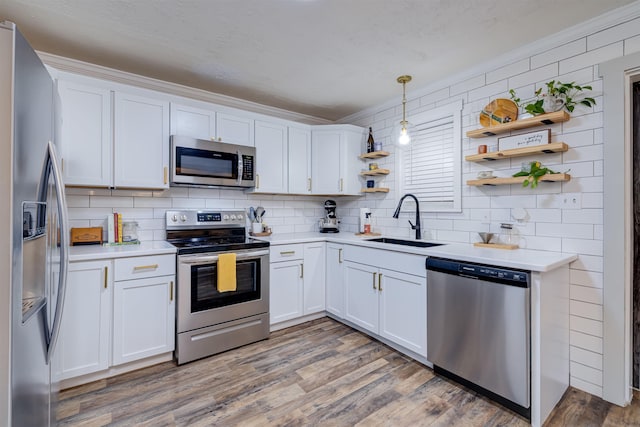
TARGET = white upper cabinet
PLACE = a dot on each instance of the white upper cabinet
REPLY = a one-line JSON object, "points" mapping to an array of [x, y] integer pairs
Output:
{"points": [[85, 134], [141, 142], [234, 129], [299, 160], [334, 159], [271, 157], [194, 122]]}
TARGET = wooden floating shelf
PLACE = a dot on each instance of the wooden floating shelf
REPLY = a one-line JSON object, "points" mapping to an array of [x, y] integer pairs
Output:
{"points": [[375, 172], [542, 119], [375, 190], [555, 177], [496, 245], [554, 147], [374, 155]]}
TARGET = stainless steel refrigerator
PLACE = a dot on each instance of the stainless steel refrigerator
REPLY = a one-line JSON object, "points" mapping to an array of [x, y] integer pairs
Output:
{"points": [[34, 235]]}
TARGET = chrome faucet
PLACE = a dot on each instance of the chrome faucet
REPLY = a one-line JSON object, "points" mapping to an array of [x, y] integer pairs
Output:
{"points": [[417, 225]]}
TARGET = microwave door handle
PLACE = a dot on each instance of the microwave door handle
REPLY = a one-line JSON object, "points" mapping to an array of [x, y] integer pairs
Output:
{"points": [[213, 258], [240, 169]]}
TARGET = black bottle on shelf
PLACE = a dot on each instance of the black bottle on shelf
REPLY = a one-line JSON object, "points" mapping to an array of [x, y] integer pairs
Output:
{"points": [[370, 141]]}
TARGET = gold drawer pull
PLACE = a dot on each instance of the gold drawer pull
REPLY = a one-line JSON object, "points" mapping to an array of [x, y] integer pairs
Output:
{"points": [[171, 291], [380, 282], [166, 174], [373, 282], [106, 275], [340, 255], [302, 271], [284, 253], [145, 267]]}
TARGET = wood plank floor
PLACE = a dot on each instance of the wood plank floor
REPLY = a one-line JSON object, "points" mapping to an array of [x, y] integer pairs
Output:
{"points": [[321, 373]]}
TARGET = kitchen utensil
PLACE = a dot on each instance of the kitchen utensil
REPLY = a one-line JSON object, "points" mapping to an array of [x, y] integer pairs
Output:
{"points": [[498, 111], [486, 237], [252, 214], [259, 213]]}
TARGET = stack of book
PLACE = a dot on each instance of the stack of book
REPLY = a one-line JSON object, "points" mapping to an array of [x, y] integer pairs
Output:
{"points": [[115, 236]]}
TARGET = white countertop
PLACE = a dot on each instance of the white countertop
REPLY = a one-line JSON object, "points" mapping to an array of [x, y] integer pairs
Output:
{"points": [[97, 252], [525, 259]]}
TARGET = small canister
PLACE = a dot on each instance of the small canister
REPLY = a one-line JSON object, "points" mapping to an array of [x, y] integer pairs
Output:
{"points": [[371, 183], [482, 149], [373, 166], [377, 146]]}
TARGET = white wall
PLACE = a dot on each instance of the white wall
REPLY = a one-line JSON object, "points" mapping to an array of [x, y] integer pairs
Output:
{"points": [[550, 225], [572, 56]]}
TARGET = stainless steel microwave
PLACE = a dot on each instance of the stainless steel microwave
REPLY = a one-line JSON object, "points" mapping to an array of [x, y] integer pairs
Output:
{"points": [[198, 162]]}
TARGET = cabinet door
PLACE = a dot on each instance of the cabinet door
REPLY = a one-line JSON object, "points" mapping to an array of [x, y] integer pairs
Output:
{"points": [[361, 296], [143, 318], [235, 129], [285, 291], [85, 331], [141, 142], [85, 135], [325, 163], [193, 122], [314, 277], [271, 157], [299, 160], [350, 165], [403, 310], [334, 280]]}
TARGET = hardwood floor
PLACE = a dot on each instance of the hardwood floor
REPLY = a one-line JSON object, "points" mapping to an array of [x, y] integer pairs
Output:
{"points": [[319, 373]]}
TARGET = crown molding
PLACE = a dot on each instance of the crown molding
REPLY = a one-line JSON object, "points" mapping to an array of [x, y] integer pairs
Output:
{"points": [[602, 22], [104, 73]]}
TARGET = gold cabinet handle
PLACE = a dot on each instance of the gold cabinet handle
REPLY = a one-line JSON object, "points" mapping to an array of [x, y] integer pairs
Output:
{"points": [[340, 256], [308, 184], [373, 282], [302, 271], [380, 282], [341, 184], [257, 180], [171, 291], [106, 275], [145, 267], [62, 164], [166, 174], [285, 253]]}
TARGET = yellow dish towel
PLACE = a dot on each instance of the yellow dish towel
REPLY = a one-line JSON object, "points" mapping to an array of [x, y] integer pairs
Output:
{"points": [[226, 272]]}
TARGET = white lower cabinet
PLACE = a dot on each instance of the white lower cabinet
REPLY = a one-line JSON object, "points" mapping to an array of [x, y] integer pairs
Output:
{"points": [[85, 331], [115, 311], [143, 318], [384, 301], [335, 280], [297, 281]]}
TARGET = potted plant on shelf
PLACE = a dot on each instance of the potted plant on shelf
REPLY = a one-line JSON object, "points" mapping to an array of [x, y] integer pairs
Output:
{"points": [[533, 173], [558, 96]]}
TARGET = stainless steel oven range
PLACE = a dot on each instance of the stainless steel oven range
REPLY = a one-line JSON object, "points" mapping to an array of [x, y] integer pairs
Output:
{"points": [[211, 321]]}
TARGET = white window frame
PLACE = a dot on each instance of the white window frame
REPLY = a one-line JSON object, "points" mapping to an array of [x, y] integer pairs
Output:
{"points": [[451, 111]]}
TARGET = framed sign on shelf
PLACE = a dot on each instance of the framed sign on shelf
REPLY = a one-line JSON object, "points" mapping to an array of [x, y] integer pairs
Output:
{"points": [[523, 140]]}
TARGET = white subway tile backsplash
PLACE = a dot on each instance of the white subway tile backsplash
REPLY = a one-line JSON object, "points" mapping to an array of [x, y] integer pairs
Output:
{"points": [[541, 243], [586, 341], [591, 57], [587, 263], [586, 357], [586, 294], [586, 326], [586, 310], [77, 201], [591, 278], [508, 70], [584, 153], [467, 85], [111, 202], [540, 74], [582, 216], [497, 89], [153, 202], [582, 246], [577, 231], [613, 34], [558, 53]]}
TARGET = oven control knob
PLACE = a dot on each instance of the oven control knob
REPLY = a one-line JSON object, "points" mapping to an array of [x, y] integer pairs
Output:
{"points": [[240, 217], [183, 218], [174, 218], [226, 217], [233, 217]]}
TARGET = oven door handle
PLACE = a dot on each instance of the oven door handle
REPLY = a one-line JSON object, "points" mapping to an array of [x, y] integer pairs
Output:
{"points": [[195, 260]]}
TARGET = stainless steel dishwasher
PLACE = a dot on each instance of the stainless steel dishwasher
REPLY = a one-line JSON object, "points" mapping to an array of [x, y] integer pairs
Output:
{"points": [[478, 329]]}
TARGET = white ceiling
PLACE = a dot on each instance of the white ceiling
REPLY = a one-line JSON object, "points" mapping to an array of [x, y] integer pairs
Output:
{"points": [[324, 58]]}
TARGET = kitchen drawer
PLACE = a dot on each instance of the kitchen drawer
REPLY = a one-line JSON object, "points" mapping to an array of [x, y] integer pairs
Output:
{"points": [[144, 266], [397, 261], [286, 252]]}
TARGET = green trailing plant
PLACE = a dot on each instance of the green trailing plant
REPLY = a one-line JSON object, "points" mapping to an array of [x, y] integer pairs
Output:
{"points": [[535, 172], [560, 95]]}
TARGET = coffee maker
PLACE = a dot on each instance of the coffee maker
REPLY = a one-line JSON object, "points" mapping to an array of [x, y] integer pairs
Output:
{"points": [[329, 224]]}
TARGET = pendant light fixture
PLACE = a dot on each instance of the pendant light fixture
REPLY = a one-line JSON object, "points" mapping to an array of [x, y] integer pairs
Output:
{"points": [[402, 131]]}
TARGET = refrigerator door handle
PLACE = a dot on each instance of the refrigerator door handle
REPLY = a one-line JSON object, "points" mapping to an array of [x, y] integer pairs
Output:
{"points": [[52, 166]]}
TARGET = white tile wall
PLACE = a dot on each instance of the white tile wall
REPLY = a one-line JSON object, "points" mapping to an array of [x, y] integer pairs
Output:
{"points": [[549, 225]]}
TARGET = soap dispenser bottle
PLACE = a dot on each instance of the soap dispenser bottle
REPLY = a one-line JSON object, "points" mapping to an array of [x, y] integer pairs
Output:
{"points": [[367, 223]]}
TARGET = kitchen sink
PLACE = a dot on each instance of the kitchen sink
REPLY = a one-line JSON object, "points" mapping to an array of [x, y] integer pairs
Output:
{"points": [[417, 243]]}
